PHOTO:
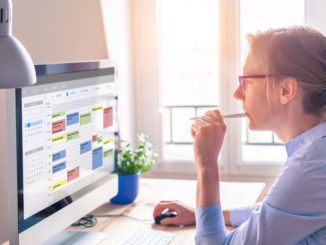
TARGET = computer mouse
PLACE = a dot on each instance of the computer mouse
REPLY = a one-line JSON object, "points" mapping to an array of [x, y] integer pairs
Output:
{"points": [[163, 216]]}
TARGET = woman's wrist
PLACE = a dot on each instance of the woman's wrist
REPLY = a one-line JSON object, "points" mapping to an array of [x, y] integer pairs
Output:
{"points": [[208, 190], [207, 168], [227, 217]]}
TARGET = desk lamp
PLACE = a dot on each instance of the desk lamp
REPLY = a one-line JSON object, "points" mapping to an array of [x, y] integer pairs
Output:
{"points": [[16, 65]]}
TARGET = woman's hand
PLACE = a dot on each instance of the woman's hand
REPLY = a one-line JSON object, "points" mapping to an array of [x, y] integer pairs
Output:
{"points": [[185, 213], [208, 132]]}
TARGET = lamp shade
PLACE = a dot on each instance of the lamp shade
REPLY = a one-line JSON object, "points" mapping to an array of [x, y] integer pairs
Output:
{"points": [[16, 65]]}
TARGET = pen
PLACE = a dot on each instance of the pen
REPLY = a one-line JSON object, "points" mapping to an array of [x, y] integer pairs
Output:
{"points": [[236, 115]]}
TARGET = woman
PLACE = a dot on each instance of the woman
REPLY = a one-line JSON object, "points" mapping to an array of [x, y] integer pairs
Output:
{"points": [[283, 90]]}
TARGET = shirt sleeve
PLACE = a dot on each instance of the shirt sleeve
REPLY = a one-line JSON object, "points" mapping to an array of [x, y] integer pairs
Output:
{"points": [[210, 227], [268, 225], [290, 214], [241, 214]]}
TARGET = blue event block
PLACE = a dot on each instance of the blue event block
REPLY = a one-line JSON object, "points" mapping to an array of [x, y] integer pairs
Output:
{"points": [[56, 168], [58, 155], [97, 157], [72, 118], [85, 147]]}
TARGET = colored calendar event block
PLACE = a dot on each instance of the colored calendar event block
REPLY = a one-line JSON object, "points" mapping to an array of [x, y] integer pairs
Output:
{"points": [[73, 135], [97, 160], [108, 117], [72, 118], [85, 147], [85, 118], [58, 155], [73, 174], [59, 126], [94, 138], [58, 167]]}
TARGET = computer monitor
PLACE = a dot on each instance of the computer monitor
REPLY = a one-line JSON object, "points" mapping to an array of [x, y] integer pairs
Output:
{"points": [[62, 148]]}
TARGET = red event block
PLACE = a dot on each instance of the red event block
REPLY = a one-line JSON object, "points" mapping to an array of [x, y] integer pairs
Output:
{"points": [[73, 174], [59, 126], [107, 117], [94, 138]]}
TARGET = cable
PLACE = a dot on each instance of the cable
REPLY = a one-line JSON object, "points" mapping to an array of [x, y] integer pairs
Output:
{"points": [[90, 220], [87, 221]]}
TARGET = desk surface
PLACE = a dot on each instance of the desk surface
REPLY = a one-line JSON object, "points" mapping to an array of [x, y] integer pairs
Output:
{"points": [[233, 194]]}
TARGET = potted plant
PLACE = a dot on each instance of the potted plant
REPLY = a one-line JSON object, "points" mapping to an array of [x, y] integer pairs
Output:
{"points": [[132, 161]]}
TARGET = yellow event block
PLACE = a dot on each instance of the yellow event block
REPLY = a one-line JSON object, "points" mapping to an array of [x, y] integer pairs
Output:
{"points": [[58, 138], [108, 141], [61, 183], [98, 107]]}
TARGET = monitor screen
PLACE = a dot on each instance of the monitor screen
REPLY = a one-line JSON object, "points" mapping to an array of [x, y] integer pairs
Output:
{"points": [[66, 130]]}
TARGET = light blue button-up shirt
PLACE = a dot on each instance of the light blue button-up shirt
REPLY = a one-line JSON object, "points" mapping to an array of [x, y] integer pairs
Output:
{"points": [[294, 210]]}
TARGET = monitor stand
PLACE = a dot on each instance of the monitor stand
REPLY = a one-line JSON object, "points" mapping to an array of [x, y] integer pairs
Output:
{"points": [[76, 238]]}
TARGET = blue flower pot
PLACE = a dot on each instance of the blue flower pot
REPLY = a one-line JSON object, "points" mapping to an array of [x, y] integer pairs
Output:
{"points": [[128, 186]]}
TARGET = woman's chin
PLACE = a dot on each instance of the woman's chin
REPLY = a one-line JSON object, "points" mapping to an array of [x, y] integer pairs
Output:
{"points": [[253, 126]]}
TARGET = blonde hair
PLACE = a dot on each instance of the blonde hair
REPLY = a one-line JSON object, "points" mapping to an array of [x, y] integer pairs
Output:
{"points": [[298, 52]]}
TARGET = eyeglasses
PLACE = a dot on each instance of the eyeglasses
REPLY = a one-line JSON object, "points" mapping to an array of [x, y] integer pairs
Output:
{"points": [[242, 80]]}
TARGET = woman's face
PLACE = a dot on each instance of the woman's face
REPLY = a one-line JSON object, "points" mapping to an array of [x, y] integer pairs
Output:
{"points": [[254, 97]]}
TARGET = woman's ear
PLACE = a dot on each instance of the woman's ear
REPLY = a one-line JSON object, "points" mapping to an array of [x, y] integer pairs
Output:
{"points": [[288, 89]]}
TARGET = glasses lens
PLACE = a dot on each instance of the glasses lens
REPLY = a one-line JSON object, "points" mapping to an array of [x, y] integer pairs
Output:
{"points": [[241, 83]]}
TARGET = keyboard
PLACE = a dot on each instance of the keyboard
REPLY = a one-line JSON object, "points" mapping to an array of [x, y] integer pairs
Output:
{"points": [[147, 237]]}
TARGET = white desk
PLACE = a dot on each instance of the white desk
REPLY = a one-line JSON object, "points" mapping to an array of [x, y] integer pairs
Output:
{"points": [[151, 192]]}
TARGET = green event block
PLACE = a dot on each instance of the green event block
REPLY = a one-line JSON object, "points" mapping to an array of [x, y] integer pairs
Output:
{"points": [[85, 118], [58, 114], [73, 135], [99, 139], [108, 153]]}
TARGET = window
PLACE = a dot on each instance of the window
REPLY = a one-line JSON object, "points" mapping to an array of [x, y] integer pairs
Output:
{"points": [[189, 54], [188, 31]]}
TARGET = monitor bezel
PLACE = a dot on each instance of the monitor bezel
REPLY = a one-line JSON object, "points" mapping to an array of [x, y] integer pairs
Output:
{"points": [[58, 72]]}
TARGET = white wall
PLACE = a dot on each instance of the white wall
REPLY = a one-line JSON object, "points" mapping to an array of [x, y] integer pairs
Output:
{"points": [[77, 30], [61, 30], [117, 20]]}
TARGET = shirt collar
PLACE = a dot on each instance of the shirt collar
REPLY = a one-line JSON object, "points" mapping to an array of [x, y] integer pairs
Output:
{"points": [[318, 131]]}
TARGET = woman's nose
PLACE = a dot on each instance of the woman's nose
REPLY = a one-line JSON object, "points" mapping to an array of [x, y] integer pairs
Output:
{"points": [[238, 94]]}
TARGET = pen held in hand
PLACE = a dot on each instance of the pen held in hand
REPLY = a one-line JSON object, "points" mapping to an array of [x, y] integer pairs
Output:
{"points": [[236, 115]]}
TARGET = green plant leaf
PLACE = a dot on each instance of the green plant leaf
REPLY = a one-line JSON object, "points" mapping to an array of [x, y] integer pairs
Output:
{"points": [[138, 159]]}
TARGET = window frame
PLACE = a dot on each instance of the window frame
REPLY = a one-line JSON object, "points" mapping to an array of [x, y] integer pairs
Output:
{"points": [[145, 17]]}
